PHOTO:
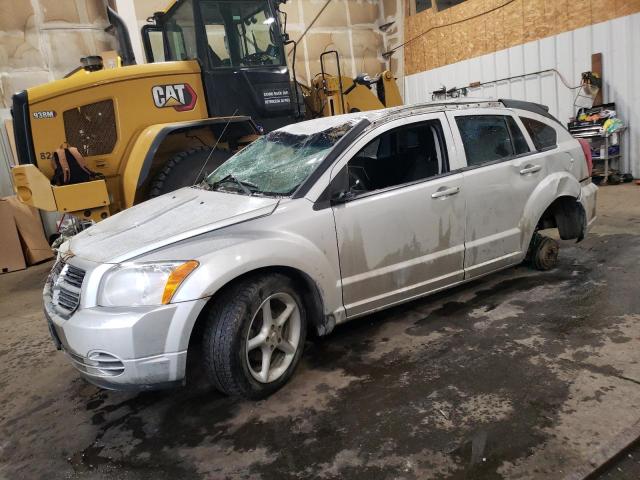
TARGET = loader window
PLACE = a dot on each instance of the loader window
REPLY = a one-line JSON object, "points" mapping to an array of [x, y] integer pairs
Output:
{"points": [[153, 41], [181, 33], [241, 33]]}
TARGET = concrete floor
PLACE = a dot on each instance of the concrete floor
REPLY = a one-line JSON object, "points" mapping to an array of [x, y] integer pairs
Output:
{"points": [[520, 375]]}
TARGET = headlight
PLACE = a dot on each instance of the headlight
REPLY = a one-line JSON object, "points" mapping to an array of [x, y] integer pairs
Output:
{"points": [[135, 284]]}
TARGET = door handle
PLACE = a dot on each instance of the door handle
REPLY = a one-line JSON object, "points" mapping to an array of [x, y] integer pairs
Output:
{"points": [[530, 169], [445, 192]]}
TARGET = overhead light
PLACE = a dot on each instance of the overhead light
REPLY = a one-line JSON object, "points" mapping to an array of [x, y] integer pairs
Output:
{"points": [[269, 21]]}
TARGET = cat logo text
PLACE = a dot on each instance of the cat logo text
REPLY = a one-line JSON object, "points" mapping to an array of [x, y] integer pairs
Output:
{"points": [[180, 96]]}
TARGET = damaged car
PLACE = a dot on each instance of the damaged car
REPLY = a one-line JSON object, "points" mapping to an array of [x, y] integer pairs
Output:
{"points": [[308, 227]]}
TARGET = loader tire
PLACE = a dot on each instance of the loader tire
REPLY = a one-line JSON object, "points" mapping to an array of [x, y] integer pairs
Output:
{"points": [[187, 168]]}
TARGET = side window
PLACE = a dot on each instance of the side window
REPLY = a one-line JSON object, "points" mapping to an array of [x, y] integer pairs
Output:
{"points": [[402, 155], [543, 135], [489, 138], [217, 39], [241, 33], [181, 33], [519, 142], [153, 41]]}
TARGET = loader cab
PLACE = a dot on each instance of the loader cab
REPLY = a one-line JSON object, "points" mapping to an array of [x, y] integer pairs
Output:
{"points": [[240, 47]]}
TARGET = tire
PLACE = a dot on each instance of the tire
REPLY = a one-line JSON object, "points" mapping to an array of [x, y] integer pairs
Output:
{"points": [[543, 252], [233, 363], [186, 168]]}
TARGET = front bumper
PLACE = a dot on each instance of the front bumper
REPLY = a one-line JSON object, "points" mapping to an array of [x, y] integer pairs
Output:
{"points": [[127, 349]]}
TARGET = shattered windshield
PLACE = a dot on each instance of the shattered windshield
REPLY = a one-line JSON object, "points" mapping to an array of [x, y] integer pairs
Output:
{"points": [[277, 163]]}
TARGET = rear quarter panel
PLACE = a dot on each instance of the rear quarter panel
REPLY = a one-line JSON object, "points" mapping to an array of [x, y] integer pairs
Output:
{"points": [[565, 167]]}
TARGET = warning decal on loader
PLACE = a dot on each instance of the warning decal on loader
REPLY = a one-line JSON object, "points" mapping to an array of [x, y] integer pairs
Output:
{"points": [[180, 96], [276, 97]]}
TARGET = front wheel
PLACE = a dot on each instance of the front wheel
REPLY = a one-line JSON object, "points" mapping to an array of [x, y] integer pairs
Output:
{"points": [[255, 336]]}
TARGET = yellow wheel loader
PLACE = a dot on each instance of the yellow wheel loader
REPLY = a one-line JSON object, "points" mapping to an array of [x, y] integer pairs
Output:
{"points": [[217, 78]]}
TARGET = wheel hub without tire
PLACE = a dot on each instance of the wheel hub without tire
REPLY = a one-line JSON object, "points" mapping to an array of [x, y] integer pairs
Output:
{"points": [[273, 338]]}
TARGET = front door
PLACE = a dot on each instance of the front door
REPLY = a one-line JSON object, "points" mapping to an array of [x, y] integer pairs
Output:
{"points": [[400, 231]]}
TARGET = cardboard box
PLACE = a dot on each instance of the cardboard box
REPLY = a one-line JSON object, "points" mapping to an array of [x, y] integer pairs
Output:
{"points": [[11, 256], [31, 236]]}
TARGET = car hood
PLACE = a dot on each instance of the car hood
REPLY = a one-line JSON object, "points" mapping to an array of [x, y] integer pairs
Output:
{"points": [[165, 220]]}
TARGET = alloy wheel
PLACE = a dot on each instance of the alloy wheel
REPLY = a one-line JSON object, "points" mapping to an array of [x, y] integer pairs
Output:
{"points": [[273, 337]]}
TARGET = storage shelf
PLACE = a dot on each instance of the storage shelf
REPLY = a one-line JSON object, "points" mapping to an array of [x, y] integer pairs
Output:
{"points": [[592, 132]]}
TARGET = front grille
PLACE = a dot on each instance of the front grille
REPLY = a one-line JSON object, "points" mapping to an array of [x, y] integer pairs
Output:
{"points": [[91, 128], [98, 363], [74, 276], [65, 284]]}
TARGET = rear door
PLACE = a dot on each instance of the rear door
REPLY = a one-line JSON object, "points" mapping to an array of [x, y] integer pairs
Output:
{"points": [[562, 151], [502, 170], [400, 231]]}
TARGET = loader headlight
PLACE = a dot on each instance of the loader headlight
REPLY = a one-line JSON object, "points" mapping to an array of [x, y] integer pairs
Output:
{"points": [[136, 284]]}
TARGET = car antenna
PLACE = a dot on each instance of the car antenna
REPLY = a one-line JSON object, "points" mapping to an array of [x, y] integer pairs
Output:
{"points": [[214, 147]]}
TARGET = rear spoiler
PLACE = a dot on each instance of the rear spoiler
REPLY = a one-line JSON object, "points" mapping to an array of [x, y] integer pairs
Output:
{"points": [[530, 107]]}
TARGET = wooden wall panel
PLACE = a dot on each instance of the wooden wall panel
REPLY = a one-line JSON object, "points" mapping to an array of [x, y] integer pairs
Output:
{"points": [[491, 25], [603, 10], [627, 7], [519, 22], [533, 17], [512, 21], [578, 17]]}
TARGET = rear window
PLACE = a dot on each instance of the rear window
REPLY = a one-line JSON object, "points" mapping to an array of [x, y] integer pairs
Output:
{"points": [[543, 135], [519, 142]]}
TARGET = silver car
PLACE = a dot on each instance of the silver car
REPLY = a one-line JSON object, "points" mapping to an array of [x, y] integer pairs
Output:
{"points": [[308, 227]]}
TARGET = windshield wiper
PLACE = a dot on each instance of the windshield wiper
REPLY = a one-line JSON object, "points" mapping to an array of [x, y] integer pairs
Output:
{"points": [[244, 186]]}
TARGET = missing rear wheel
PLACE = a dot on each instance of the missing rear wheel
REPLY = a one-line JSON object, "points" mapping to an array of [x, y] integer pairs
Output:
{"points": [[543, 252]]}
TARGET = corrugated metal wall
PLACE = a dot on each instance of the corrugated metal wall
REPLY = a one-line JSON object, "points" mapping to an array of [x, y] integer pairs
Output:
{"points": [[570, 53]]}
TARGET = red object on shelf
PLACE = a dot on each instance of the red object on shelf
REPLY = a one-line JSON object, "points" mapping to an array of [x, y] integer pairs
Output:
{"points": [[586, 149]]}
